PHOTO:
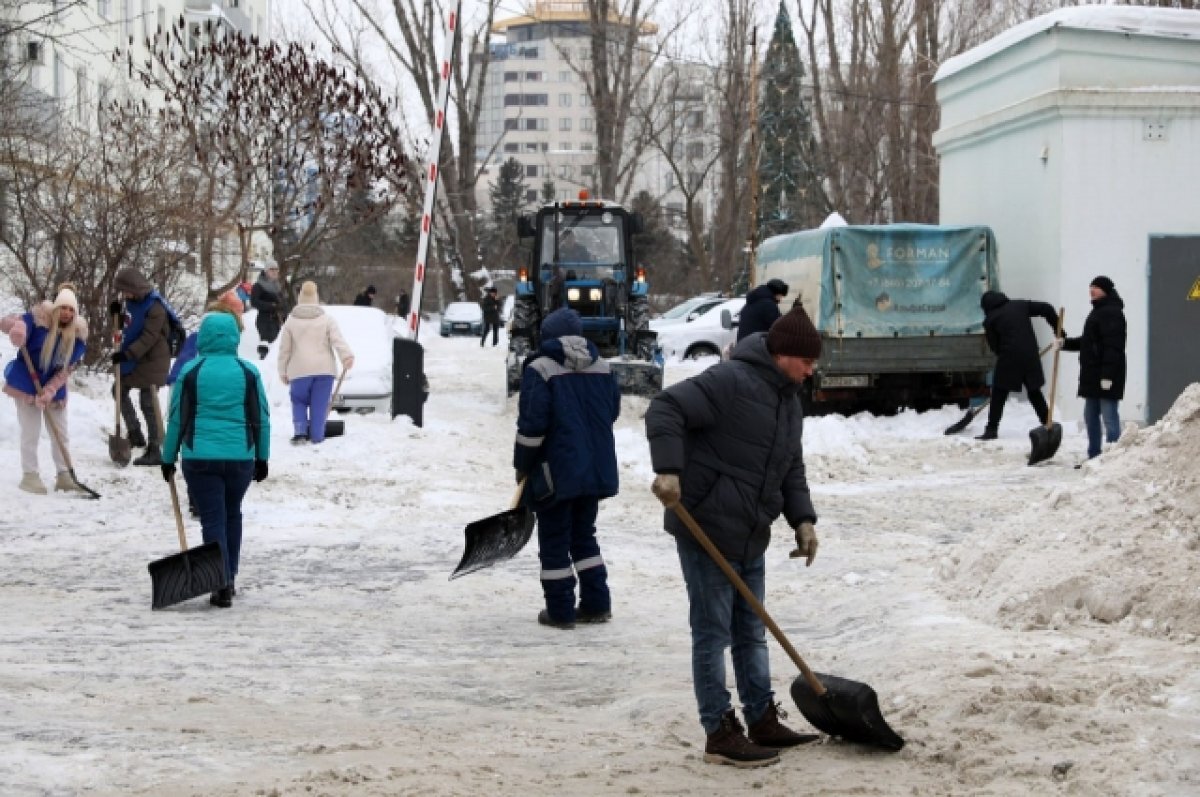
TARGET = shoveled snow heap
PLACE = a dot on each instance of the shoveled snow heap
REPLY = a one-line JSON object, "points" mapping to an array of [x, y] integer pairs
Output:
{"points": [[1120, 546]]}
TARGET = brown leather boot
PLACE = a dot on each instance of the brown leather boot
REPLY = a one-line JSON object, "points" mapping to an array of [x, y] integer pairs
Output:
{"points": [[770, 732], [729, 745]]}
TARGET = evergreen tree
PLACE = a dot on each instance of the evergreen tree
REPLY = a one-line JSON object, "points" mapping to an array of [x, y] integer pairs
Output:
{"points": [[548, 191], [507, 195], [658, 250], [791, 196]]}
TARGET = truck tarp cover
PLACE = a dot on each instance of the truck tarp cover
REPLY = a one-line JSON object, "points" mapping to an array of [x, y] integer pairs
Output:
{"points": [[886, 281]]}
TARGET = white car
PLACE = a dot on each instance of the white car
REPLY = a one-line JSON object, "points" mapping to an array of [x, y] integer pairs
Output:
{"points": [[368, 331], [703, 336], [462, 318], [686, 312]]}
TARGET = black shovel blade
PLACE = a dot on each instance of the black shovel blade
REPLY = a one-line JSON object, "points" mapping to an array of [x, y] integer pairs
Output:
{"points": [[965, 420], [1044, 442], [495, 539], [847, 709], [335, 428], [88, 492], [186, 575], [118, 450]]}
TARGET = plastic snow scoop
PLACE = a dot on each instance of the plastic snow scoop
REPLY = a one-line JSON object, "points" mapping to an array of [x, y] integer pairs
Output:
{"points": [[837, 706], [1044, 440], [973, 412], [335, 428], [66, 455], [189, 573], [118, 446], [496, 538]]}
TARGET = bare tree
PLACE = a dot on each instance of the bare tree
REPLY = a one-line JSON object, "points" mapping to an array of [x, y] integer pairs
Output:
{"points": [[276, 138]]}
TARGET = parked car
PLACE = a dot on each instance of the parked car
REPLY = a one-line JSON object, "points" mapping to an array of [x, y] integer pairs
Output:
{"points": [[703, 336], [462, 318], [367, 386], [686, 312]]}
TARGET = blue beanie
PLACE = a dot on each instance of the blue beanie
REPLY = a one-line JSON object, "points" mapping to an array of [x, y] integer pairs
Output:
{"points": [[563, 321]]}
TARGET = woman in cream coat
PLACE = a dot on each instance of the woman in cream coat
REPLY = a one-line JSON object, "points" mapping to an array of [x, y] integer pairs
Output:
{"points": [[310, 345]]}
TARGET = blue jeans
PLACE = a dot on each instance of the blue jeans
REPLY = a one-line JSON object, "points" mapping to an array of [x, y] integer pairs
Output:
{"points": [[1095, 409], [567, 547], [310, 404], [720, 619], [216, 487]]}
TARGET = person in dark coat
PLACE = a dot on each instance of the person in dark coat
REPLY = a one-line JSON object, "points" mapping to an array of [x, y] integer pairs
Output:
{"points": [[1008, 327], [366, 298], [267, 298], [726, 444], [403, 304], [144, 358], [761, 308], [566, 454], [491, 316], [1101, 350]]}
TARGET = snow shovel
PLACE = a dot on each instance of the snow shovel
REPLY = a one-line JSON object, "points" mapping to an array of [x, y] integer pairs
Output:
{"points": [[189, 573], [1044, 440], [968, 416], [335, 428], [118, 446], [66, 455], [837, 706], [496, 538]]}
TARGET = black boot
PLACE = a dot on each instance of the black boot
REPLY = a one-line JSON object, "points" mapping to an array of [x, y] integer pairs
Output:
{"points": [[136, 438], [988, 434], [222, 598], [152, 456]]}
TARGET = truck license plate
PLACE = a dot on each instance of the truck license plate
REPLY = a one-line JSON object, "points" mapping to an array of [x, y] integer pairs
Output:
{"points": [[846, 381]]}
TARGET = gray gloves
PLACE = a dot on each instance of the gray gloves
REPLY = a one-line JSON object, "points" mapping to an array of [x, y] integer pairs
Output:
{"points": [[666, 487], [806, 543]]}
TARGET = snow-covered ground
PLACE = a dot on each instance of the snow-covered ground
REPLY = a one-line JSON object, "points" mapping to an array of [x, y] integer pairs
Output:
{"points": [[1028, 630]]}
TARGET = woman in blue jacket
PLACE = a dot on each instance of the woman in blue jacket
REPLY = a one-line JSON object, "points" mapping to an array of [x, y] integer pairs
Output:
{"points": [[220, 425], [55, 337]]}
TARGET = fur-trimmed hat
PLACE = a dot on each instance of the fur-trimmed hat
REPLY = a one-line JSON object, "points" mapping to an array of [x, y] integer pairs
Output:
{"points": [[308, 293], [562, 322], [793, 335], [66, 298]]}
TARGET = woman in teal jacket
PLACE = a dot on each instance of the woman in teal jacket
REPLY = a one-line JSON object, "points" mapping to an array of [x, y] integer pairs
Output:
{"points": [[220, 424]]}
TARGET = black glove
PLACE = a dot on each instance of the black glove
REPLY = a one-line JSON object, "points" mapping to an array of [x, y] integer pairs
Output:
{"points": [[260, 469], [168, 470], [115, 308], [119, 357]]}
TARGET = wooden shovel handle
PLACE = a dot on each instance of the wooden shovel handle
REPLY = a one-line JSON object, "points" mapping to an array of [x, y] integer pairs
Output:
{"points": [[520, 489], [813, 681], [37, 386], [162, 433], [1062, 311], [333, 395], [117, 376]]}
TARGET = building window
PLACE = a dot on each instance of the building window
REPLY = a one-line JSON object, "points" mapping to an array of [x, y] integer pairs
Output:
{"points": [[34, 52], [565, 146], [531, 195], [586, 146], [511, 100], [104, 7], [566, 172], [695, 120], [564, 101], [58, 77], [512, 77], [103, 92], [564, 123], [584, 102], [587, 170], [512, 147], [529, 52], [531, 170], [669, 181], [531, 146], [81, 94], [695, 149], [533, 76], [587, 124], [564, 77]]}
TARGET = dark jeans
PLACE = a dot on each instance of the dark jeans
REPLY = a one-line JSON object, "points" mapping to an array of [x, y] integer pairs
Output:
{"points": [[1096, 410], [567, 546], [721, 618], [217, 487], [129, 415], [492, 325], [999, 396]]}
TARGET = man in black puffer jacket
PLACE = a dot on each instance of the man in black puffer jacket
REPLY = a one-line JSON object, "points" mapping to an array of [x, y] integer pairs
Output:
{"points": [[1009, 330], [761, 308], [727, 445], [1101, 350]]}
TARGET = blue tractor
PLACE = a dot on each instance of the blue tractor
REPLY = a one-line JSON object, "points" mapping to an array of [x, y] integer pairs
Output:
{"points": [[583, 258]]}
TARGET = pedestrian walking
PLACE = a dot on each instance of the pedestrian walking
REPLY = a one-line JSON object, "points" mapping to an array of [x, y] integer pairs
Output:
{"points": [[310, 346], [144, 357], [761, 309], [491, 315], [727, 445], [1008, 327], [55, 337], [366, 298], [219, 427], [267, 298], [566, 452], [1101, 350], [403, 304]]}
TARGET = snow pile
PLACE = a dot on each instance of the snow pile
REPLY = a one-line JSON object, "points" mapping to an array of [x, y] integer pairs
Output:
{"points": [[1120, 547]]}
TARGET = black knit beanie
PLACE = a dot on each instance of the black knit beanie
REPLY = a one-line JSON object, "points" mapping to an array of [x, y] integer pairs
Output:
{"points": [[794, 335], [1104, 284]]}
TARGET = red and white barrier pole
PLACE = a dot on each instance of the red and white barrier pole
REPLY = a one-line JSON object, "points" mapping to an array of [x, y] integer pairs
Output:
{"points": [[439, 122]]}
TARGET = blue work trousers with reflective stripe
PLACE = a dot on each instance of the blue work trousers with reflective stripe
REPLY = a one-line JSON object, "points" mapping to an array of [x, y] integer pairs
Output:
{"points": [[567, 547]]}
